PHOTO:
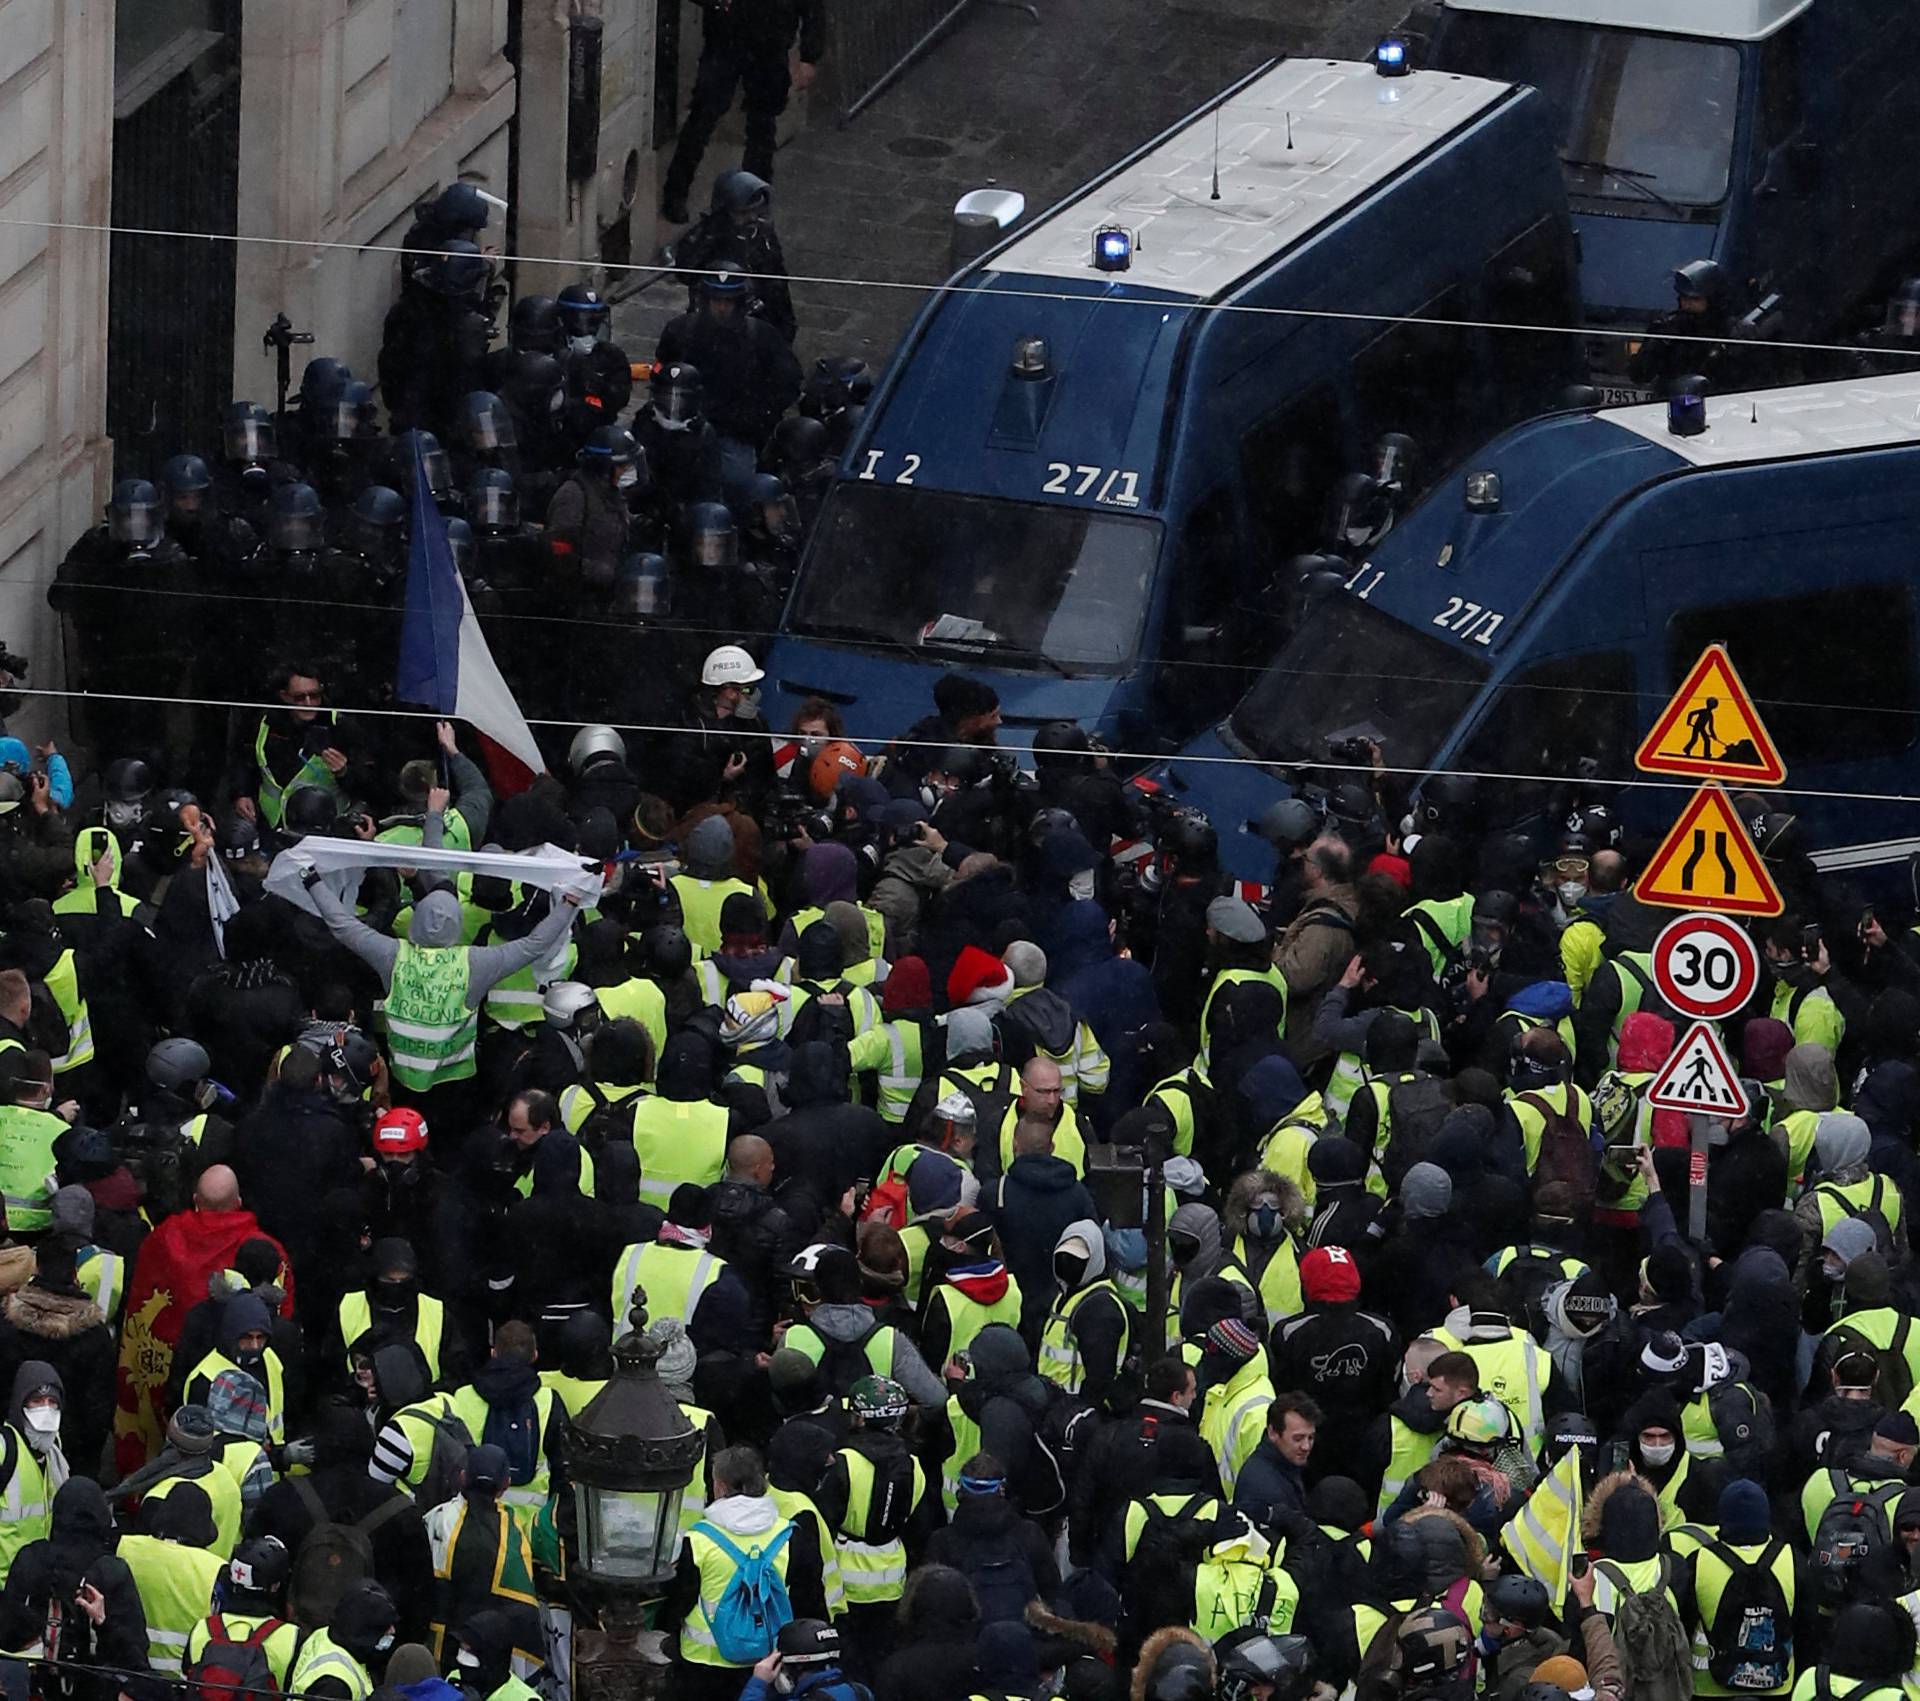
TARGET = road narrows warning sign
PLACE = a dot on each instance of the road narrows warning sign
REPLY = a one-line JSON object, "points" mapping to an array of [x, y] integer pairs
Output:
{"points": [[1698, 1078], [1709, 862], [1712, 730]]}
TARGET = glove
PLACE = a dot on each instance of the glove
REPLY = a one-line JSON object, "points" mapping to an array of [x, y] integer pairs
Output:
{"points": [[300, 1453], [309, 877]]}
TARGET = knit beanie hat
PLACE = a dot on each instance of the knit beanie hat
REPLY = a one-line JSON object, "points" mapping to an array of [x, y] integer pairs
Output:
{"points": [[1231, 1338], [908, 988]]}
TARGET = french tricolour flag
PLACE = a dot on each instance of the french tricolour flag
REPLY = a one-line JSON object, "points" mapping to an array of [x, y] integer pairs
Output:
{"points": [[444, 659]]}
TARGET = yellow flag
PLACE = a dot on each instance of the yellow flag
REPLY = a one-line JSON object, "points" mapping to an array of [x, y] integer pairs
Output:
{"points": [[1546, 1535]]}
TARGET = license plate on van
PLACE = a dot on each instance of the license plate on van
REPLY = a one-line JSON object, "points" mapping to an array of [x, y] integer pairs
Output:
{"points": [[1623, 395]]}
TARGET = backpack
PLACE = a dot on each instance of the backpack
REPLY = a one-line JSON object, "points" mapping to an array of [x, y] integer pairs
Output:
{"points": [[1524, 1282], [1003, 1580], [229, 1670], [843, 1363], [1893, 1375], [753, 1607], [887, 1203], [1870, 1213], [891, 1504], [610, 1122], [1171, 1542], [1750, 1642], [1743, 1420], [1852, 1531], [1566, 1153], [1065, 1431], [1415, 1110], [333, 1558], [817, 1021], [1656, 1654]]}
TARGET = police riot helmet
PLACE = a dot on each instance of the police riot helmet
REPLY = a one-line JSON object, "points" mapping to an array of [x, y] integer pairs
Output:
{"points": [[712, 540], [742, 196], [1360, 513], [1060, 744], [775, 514], [666, 952], [1702, 280], [643, 586], [133, 514], [1288, 824], [533, 326], [378, 513], [675, 392], [537, 387], [593, 744], [323, 379], [1190, 840], [178, 1065], [487, 422], [185, 475], [1282, 1665], [457, 271], [1903, 312], [296, 521], [492, 503], [461, 545], [799, 450], [247, 434], [609, 446], [348, 416], [726, 282], [310, 809], [584, 318], [837, 382], [432, 457], [460, 207], [127, 780]]}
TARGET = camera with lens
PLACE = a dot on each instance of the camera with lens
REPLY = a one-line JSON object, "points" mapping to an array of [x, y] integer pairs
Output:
{"points": [[1356, 752], [791, 813]]}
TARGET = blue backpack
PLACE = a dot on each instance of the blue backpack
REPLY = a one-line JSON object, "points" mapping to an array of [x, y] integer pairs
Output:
{"points": [[754, 1605]]}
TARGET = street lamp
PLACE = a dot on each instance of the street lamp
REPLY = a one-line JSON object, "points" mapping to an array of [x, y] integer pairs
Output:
{"points": [[632, 1454]]}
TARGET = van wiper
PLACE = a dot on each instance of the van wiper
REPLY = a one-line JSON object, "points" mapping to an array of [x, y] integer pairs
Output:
{"points": [[999, 647], [1641, 180], [849, 634]]}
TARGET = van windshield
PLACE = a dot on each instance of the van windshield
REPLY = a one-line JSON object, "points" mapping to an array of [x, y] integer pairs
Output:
{"points": [[1351, 669], [1028, 585], [1647, 118]]}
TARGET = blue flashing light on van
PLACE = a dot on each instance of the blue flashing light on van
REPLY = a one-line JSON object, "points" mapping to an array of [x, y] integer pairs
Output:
{"points": [[1543, 636], [1087, 485]]}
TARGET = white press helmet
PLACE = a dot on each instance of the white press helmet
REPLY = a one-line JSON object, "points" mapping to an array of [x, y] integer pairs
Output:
{"points": [[591, 742], [564, 1000], [730, 665]]}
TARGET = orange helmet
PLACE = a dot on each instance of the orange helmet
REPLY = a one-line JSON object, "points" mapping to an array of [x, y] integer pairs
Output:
{"points": [[835, 762]]}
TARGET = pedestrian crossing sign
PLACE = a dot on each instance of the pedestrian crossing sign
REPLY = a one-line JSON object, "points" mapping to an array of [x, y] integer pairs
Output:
{"points": [[1710, 862], [1698, 1077], [1711, 729]]}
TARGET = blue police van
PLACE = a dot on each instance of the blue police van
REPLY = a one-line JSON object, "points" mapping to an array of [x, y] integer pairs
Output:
{"points": [[1773, 137], [1534, 614], [1093, 455]]}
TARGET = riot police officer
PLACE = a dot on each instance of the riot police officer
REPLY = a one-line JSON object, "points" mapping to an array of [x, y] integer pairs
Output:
{"points": [[250, 464], [799, 451], [458, 213], [344, 447], [681, 446], [598, 374], [770, 531], [835, 393], [717, 593], [738, 226], [435, 338], [535, 393], [488, 438]]}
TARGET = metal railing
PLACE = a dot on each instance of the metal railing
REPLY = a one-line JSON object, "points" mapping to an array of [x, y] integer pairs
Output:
{"points": [[875, 42]]}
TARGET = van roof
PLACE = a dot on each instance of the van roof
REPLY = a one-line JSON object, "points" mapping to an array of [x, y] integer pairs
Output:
{"points": [[1725, 20], [1785, 425], [1298, 145]]}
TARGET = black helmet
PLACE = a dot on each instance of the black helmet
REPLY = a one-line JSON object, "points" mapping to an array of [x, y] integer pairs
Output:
{"points": [[247, 434], [1060, 744], [837, 382], [1281, 1664], [1179, 1674], [349, 1056], [1434, 1645], [310, 809], [775, 514], [1351, 804], [378, 513], [461, 545], [492, 502], [610, 446], [1045, 823], [487, 422], [537, 387], [533, 327], [348, 416], [323, 380], [1702, 280], [643, 587], [260, 1566], [726, 282], [799, 449], [296, 521], [1496, 909], [1597, 824], [1449, 803], [675, 392], [1190, 840], [236, 838], [127, 781], [807, 1641], [460, 206], [1777, 833], [666, 952], [133, 515], [457, 271], [584, 317], [185, 475], [1289, 823], [737, 192], [432, 457], [712, 540], [1517, 1599], [177, 1065]]}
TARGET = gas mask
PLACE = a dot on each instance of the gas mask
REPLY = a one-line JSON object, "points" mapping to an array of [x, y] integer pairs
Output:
{"points": [[1264, 1220], [1080, 886], [1658, 1453], [126, 817], [1570, 892]]}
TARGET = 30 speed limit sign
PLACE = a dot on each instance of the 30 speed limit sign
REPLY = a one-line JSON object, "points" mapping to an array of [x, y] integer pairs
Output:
{"points": [[1705, 966]]}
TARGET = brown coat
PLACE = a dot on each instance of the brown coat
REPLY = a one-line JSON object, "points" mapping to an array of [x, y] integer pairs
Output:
{"points": [[1312, 954]]}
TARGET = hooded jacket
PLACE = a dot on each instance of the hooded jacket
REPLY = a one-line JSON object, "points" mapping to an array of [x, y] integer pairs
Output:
{"points": [[1009, 1402], [60, 1330], [78, 1551], [437, 922], [1100, 1324], [750, 1520], [939, 1630], [1031, 1206], [1201, 1224], [854, 1322], [1172, 1644]]}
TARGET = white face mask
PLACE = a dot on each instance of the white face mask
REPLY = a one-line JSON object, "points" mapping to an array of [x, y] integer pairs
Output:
{"points": [[629, 477], [581, 345], [1658, 1455], [44, 1420], [384, 1643], [1571, 892], [1080, 886]]}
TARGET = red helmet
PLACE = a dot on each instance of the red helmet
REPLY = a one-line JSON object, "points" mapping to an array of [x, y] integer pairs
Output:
{"points": [[400, 1131]]}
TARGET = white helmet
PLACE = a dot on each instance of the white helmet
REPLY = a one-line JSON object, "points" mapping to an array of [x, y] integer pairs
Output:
{"points": [[563, 1001], [593, 741], [730, 665]]}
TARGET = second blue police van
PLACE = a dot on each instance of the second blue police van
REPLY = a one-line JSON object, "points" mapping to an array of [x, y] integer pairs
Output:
{"points": [[1098, 448]]}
